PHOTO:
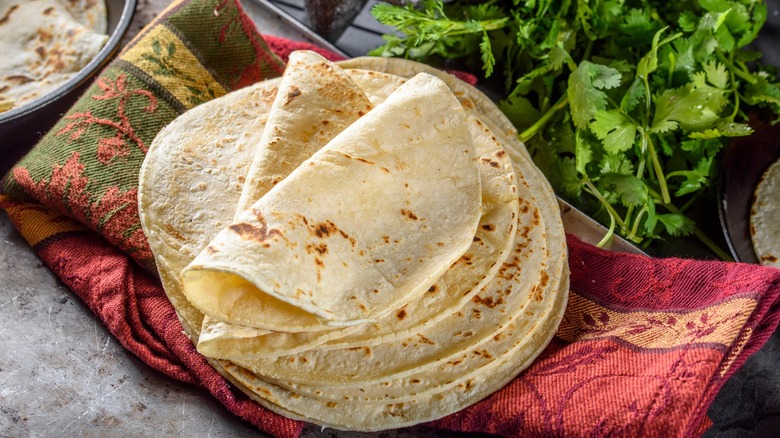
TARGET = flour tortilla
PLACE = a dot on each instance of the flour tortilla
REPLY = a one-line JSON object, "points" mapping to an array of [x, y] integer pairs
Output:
{"points": [[305, 245], [45, 43], [205, 162], [313, 86], [765, 217]]}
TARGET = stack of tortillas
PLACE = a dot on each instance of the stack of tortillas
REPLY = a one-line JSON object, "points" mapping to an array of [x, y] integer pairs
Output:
{"points": [[364, 246]]}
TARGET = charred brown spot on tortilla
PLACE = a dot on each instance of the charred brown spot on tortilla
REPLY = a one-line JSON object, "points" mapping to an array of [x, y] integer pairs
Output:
{"points": [[319, 264], [386, 170], [433, 289], [409, 214], [19, 79], [331, 404], [489, 227], [424, 340], [768, 258], [211, 250], [8, 13], [488, 302], [44, 36], [257, 234], [379, 260], [319, 248], [323, 229], [483, 353], [292, 94], [476, 313], [401, 314]]}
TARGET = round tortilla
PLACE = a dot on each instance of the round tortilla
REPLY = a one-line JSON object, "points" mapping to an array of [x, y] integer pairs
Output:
{"points": [[764, 217]]}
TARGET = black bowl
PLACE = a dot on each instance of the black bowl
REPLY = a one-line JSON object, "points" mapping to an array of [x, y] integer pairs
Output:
{"points": [[744, 162], [22, 127]]}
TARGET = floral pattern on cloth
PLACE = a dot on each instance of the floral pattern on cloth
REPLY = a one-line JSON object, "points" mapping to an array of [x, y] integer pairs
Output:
{"points": [[87, 166]]}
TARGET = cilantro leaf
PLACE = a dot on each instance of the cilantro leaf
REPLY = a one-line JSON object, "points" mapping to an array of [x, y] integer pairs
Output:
{"points": [[676, 224], [585, 95], [616, 163], [520, 111], [583, 154], [616, 131], [634, 95], [692, 107], [695, 179], [716, 74], [724, 128], [630, 189]]}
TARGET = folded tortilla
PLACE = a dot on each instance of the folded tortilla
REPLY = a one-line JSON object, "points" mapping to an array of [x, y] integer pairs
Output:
{"points": [[306, 247], [492, 243], [316, 101]]}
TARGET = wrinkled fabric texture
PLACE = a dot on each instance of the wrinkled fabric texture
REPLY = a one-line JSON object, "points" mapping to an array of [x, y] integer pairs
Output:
{"points": [[643, 349]]}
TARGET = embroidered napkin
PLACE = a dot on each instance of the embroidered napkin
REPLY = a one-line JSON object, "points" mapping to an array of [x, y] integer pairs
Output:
{"points": [[644, 346]]}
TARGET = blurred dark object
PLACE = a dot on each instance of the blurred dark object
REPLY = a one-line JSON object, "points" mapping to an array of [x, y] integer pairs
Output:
{"points": [[22, 127], [330, 18], [744, 162]]}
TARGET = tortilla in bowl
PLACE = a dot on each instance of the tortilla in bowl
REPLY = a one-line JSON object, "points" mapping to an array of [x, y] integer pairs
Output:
{"points": [[45, 44], [765, 217], [430, 184]]}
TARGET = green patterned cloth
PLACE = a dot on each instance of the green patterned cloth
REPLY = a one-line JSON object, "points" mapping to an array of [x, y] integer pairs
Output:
{"points": [[87, 166]]}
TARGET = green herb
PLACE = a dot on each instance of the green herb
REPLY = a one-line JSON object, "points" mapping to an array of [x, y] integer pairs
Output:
{"points": [[625, 105]]}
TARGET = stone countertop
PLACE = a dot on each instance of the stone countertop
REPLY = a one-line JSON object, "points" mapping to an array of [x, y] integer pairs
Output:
{"points": [[63, 374]]}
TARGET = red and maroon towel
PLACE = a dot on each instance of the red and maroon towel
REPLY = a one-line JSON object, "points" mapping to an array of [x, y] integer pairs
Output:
{"points": [[643, 348]]}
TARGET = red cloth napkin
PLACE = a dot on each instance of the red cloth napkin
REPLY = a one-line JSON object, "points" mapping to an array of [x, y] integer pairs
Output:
{"points": [[644, 346]]}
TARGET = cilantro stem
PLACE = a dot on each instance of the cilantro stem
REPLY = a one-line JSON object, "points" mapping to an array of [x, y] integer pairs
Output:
{"points": [[735, 89], [539, 124], [595, 192], [609, 234], [659, 171], [703, 238], [634, 228], [738, 71]]}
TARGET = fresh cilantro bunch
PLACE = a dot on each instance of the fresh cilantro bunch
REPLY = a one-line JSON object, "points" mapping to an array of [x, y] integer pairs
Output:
{"points": [[625, 105]]}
